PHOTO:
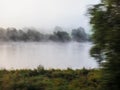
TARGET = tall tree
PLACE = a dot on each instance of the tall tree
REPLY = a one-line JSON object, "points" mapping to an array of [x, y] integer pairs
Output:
{"points": [[105, 20]]}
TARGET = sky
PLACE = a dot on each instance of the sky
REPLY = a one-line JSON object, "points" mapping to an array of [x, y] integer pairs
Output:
{"points": [[45, 13]]}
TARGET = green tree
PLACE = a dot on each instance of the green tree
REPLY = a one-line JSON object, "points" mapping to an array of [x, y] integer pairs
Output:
{"points": [[61, 36], [105, 20], [79, 34]]}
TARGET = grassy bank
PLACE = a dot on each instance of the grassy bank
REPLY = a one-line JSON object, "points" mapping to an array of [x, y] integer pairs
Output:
{"points": [[52, 79]]}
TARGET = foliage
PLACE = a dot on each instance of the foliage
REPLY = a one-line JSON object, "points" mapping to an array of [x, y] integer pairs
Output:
{"points": [[79, 35], [52, 79], [105, 20], [29, 34], [60, 36]]}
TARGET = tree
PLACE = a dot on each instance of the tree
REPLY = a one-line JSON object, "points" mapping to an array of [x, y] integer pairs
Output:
{"points": [[105, 20], [34, 35], [12, 34], [61, 36], [79, 34], [58, 28], [2, 34]]}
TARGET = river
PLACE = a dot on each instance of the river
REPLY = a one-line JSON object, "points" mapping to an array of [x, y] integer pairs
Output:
{"points": [[22, 55]]}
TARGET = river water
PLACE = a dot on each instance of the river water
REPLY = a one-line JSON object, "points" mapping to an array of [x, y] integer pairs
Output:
{"points": [[21, 55]]}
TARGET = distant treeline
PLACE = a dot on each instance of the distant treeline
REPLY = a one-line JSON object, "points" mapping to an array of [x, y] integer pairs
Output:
{"points": [[29, 34]]}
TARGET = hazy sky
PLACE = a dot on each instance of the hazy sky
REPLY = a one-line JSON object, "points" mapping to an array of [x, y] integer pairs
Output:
{"points": [[44, 13]]}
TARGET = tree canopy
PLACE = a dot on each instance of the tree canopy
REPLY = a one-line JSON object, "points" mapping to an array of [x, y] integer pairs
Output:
{"points": [[105, 20], [30, 34]]}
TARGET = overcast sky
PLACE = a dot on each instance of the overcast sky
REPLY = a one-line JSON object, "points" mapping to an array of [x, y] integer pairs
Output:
{"points": [[44, 13]]}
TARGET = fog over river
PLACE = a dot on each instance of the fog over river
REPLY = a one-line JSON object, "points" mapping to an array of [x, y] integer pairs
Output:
{"points": [[19, 55]]}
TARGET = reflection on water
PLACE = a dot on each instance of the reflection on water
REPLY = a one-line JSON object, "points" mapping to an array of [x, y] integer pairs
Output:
{"points": [[51, 55]]}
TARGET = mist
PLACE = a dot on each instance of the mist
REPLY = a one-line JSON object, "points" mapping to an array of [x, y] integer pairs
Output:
{"points": [[45, 14], [52, 33]]}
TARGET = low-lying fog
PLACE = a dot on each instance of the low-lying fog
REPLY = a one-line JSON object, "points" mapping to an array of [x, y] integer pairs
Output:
{"points": [[17, 55]]}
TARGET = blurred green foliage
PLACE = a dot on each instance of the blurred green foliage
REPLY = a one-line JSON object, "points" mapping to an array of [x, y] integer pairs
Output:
{"points": [[105, 20], [52, 79]]}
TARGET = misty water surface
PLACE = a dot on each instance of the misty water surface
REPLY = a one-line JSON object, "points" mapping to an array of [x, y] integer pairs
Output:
{"points": [[17, 55]]}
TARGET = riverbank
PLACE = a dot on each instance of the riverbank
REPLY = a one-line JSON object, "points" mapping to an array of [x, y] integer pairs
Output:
{"points": [[51, 79]]}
